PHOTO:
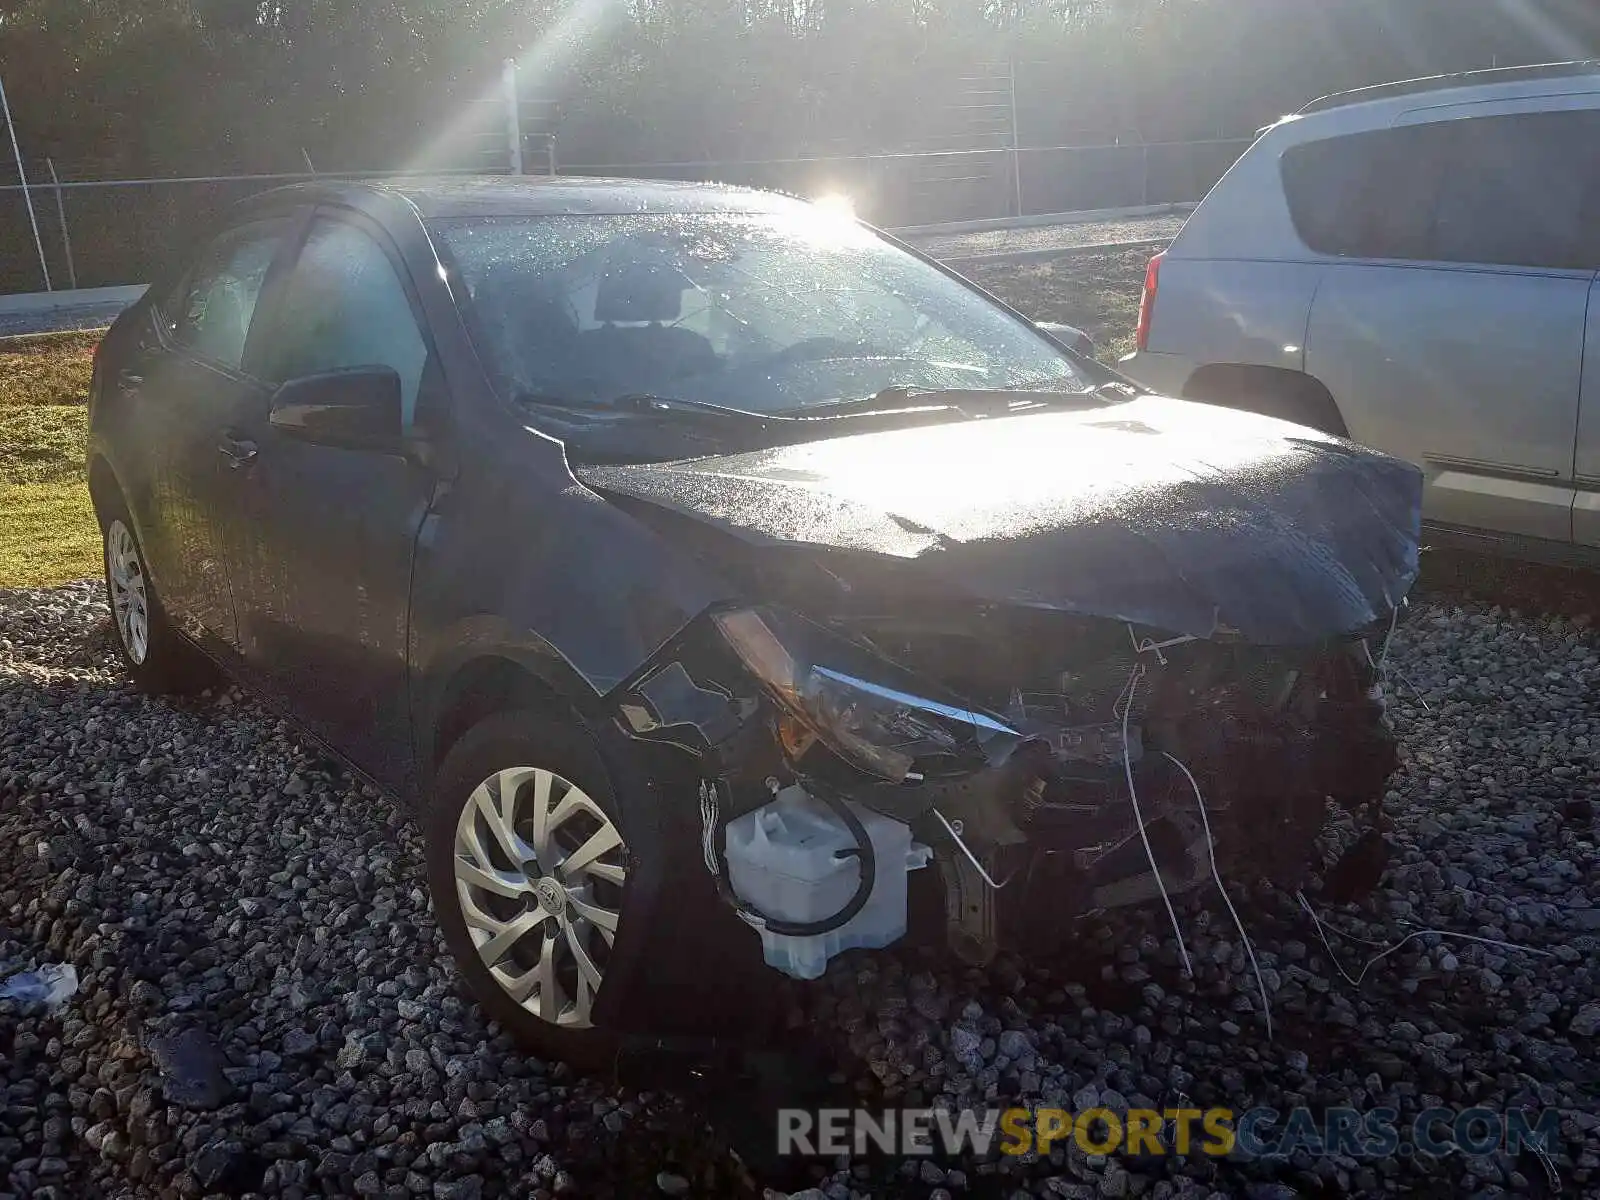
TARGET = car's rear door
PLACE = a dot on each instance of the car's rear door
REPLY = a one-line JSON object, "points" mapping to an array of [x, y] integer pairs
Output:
{"points": [[320, 540], [171, 397], [1454, 328]]}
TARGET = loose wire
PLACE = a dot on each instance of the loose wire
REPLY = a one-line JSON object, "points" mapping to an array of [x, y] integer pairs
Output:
{"points": [[1211, 852]]}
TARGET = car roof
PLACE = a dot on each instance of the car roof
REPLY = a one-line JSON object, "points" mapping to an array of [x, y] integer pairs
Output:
{"points": [[504, 196], [1489, 77]]}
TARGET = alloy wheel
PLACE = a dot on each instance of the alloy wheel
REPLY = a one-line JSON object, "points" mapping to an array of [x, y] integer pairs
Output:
{"points": [[539, 871], [130, 600]]}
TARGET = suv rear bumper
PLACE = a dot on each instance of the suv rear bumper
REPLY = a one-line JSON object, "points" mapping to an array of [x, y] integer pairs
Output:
{"points": [[1164, 373]]}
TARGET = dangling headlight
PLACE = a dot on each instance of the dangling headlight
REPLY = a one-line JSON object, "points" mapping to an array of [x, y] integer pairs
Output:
{"points": [[876, 723]]}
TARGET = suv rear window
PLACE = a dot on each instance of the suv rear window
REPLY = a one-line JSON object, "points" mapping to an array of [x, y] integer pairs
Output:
{"points": [[1512, 191]]}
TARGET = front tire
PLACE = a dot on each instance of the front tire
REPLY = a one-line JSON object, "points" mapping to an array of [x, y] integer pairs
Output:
{"points": [[529, 867], [154, 653]]}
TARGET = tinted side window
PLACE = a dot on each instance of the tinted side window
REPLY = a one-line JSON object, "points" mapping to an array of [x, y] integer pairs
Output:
{"points": [[344, 306], [212, 310], [1369, 195], [1516, 190], [1512, 191]]}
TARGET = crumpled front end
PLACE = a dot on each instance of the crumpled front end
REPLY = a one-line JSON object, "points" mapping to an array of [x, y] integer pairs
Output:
{"points": [[1080, 656], [1169, 754], [1046, 759]]}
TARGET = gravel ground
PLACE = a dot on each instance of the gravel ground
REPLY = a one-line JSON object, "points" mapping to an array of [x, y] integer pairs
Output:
{"points": [[1049, 237], [265, 1005]]}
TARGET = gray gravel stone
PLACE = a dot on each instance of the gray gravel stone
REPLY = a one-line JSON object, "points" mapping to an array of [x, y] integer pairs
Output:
{"points": [[1587, 1021], [190, 1063]]}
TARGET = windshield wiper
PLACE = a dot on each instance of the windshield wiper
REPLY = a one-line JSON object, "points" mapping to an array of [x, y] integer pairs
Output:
{"points": [[897, 398], [649, 402], [640, 402], [528, 398], [900, 397]]}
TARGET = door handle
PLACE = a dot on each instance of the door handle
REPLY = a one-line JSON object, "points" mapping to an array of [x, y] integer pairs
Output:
{"points": [[238, 452], [129, 380]]}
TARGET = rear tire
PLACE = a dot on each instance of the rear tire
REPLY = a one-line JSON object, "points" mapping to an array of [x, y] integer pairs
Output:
{"points": [[158, 658], [530, 867]]}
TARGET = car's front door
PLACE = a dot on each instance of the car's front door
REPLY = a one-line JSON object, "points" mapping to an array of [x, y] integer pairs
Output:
{"points": [[180, 389], [321, 539]]}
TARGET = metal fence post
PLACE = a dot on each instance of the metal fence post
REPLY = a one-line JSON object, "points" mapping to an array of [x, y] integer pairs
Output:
{"points": [[1016, 142], [513, 116], [27, 196], [61, 215], [1144, 177]]}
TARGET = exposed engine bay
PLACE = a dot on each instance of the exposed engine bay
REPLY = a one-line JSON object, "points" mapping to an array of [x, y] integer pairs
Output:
{"points": [[1046, 759]]}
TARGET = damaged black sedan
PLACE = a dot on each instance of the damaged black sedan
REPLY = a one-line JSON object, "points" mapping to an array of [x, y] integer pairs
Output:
{"points": [[719, 580]]}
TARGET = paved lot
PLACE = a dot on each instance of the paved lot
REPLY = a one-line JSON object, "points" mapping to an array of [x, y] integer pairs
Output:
{"points": [[91, 316]]}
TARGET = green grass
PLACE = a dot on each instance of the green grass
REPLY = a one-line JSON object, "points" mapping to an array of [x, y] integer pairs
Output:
{"points": [[1095, 291], [47, 528]]}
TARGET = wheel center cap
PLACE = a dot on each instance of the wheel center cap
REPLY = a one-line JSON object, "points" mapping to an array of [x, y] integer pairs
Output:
{"points": [[551, 895]]}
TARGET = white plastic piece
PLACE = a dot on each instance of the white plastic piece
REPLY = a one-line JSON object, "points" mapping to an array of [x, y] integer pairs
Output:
{"points": [[52, 985], [785, 861]]}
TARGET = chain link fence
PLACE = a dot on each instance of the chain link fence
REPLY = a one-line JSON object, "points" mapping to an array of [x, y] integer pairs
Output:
{"points": [[104, 232]]}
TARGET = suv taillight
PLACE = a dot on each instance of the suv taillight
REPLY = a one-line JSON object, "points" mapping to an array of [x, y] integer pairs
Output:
{"points": [[1147, 302]]}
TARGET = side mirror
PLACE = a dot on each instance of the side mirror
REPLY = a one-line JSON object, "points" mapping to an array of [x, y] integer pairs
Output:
{"points": [[1067, 336], [358, 408]]}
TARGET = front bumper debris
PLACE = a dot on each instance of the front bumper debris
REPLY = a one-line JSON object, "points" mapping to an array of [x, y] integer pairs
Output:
{"points": [[1047, 832]]}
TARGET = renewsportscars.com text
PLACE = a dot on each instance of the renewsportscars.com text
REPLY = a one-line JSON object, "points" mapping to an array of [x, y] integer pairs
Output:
{"points": [[1254, 1133]]}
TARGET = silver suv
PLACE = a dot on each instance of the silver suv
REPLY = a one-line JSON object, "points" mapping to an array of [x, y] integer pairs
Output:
{"points": [[1412, 266]]}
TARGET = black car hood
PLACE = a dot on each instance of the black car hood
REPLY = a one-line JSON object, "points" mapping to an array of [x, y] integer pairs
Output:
{"points": [[1162, 512]]}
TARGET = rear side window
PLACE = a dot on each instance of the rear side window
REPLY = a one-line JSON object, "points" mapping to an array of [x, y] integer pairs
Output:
{"points": [[345, 306], [211, 311], [1370, 195], [1511, 191]]}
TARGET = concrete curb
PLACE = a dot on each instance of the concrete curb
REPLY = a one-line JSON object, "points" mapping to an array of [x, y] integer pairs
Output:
{"points": [[1081, 217], [1018, 256], [40, 302]]}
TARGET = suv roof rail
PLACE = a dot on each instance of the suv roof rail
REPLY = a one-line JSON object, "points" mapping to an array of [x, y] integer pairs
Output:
{"points": [[1431, 83]]}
